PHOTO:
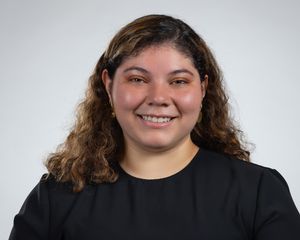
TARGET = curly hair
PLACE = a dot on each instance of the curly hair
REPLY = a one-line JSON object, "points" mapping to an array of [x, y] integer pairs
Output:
{"points": [[95, 142]]}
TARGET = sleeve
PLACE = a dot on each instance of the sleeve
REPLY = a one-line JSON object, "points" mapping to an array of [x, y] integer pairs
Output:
{"points": [[32, 222], [276, 215]]}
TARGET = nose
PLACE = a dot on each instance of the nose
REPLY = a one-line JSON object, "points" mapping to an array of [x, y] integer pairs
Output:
{"points": [[158, 95]]}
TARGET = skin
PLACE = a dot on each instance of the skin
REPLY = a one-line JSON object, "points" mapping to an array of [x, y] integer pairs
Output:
{"points": [[160, 81]]}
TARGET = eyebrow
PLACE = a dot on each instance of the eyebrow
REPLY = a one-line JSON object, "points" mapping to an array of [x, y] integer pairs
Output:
{"points": [[140, 69]]}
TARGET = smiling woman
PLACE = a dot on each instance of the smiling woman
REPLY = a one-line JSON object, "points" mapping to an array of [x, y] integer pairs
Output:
{"points": [[167, 98], [158, 112], [154, 153]]}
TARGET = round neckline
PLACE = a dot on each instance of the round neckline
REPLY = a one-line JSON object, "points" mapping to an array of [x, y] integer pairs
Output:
{"points": [[174, 175]]}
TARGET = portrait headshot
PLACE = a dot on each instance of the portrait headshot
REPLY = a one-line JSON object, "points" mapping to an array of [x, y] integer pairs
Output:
{"points": [[150, 120]]}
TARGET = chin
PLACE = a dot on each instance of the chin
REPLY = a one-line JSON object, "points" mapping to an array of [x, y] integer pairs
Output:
{"points": [[157, 146]]}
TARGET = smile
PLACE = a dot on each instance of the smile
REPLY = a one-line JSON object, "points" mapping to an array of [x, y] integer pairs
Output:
{"points": [[155, 119]]}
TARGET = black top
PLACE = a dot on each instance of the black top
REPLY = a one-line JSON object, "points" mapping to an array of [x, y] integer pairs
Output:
{"points": [[213, 198]]}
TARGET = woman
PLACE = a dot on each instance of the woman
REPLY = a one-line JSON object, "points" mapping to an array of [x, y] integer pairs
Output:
{"points": [[154, 153]]}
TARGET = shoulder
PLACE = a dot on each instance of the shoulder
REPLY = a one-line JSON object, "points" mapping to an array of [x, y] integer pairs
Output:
{"points": [[60, 195], [51, 193], [51, 184], [252, 182], [45, 210], [260, 194], [247, 171]]}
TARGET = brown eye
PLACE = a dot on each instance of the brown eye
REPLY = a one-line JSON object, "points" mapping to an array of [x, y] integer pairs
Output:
{"points": [[136, 80], [179, 82]]}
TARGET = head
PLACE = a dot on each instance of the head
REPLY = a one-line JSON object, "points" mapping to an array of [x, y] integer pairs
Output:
{"points": [[156, 97], [97, 139]]}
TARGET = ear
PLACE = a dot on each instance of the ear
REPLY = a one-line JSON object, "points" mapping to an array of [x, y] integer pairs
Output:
{"points": [[204, 84], [107, 83]]}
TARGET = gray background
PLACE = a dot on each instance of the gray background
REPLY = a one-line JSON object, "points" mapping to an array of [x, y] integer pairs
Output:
{"points": [[49, 49]]}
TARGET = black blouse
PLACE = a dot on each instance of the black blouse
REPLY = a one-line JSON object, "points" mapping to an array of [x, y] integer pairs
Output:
{"points": [[214, 197]]}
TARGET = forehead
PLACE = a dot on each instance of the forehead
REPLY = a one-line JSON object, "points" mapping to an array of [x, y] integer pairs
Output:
{"points": [[159, 57]]}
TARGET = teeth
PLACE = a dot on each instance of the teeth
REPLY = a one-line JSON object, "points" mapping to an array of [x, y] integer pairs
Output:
{"points": [[155, 119]]}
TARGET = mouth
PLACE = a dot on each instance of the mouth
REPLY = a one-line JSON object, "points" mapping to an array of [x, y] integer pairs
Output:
{"points": [[156, 119]]}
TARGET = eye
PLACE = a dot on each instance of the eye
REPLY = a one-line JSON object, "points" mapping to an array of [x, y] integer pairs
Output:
{"points": [[136, 80], [179, 82]]}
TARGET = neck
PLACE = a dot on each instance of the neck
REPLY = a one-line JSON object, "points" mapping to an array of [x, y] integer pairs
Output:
{"points": [[147, 164]]}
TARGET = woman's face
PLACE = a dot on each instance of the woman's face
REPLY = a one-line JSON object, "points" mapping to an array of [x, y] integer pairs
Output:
{"points": [[157, 97]]}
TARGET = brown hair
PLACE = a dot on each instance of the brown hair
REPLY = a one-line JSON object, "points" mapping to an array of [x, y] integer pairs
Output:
{"points": [[95, 142]]}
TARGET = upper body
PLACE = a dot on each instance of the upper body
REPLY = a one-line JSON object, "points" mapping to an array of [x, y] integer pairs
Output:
{"points": [[134, 165], [213, 197]]}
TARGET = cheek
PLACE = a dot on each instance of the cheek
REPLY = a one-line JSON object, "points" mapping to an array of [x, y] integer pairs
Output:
{"points": [[125, 98], [190, 101]]}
